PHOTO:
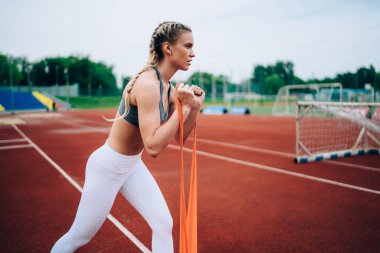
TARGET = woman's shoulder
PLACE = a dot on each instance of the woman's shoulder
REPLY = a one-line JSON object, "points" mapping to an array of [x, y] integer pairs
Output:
{"points": [[145, 80], [146, 84]]}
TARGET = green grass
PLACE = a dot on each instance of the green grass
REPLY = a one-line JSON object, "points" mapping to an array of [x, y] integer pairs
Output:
{"points": [[102, 102], [92, 102], [262, 110]]}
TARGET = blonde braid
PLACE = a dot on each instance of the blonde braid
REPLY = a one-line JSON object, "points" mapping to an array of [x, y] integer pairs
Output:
{"points": [[128, 88]]}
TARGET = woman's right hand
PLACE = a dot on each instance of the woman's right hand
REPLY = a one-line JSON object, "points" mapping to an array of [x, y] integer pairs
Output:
{"points": [[186, 95]]}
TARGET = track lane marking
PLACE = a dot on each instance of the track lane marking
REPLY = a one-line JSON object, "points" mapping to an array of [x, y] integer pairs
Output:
{"points": [[16, 146], [279, 153], [12, 140], [276, 170]]}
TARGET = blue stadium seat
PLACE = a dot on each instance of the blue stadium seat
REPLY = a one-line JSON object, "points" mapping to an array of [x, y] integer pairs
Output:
{"points": [[21, 101]]}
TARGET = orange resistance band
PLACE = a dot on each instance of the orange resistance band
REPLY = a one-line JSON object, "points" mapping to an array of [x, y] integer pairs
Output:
{"points": [[188, 223]]}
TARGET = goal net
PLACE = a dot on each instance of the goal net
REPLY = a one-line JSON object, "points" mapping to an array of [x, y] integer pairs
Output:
{"points": [[327, 130], [288, 96]]}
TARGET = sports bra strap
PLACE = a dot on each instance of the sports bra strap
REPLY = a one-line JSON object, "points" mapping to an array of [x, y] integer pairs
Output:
{"points": [[163, 114], [159, 78]]}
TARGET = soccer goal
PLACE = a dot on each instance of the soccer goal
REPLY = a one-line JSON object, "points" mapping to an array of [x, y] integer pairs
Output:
{"points": [[328, 130], [288, 96]]}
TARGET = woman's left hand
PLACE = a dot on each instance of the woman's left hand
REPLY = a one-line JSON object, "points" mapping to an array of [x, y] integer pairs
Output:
{"points": [[198, 99]]}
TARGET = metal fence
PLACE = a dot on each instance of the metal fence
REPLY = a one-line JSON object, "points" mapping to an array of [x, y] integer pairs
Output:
{"points": [[62, 90]]}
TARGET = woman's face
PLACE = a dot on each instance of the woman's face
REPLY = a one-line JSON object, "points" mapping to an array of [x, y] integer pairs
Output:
{"points": [[182, 51]]}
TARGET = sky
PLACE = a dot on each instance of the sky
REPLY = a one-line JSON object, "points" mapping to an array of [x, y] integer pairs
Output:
{"points": [[321, 37]]}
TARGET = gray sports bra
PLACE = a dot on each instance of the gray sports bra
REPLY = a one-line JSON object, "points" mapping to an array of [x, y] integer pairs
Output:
{"points": [[132, 116]]}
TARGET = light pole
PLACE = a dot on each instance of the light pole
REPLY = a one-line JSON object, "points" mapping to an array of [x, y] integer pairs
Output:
{"points": [[89, 91], [66, 71], [46, 72], [28, 70], [224, 88], [56, 79], [11, 83], [213, 88]]}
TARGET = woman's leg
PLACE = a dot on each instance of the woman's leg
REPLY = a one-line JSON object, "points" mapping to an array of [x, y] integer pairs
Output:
{"points": [[99, 192], [142, 191]]}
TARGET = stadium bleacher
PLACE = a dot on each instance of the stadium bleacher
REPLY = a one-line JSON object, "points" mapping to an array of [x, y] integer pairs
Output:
{"points": [[21, 101]]}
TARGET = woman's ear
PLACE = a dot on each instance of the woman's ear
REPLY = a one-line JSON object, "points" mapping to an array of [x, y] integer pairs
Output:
{"points": [[166, 48]]}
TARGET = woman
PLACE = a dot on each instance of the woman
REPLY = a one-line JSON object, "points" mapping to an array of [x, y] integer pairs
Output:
{"points": [[147, 119]]}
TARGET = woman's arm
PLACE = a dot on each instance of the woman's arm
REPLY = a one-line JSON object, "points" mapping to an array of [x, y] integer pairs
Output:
{"points": [[189, 122], [154, 135]]}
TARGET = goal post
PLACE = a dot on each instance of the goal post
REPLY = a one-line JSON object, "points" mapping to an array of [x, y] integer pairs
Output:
{"points": [[328, 130], [289, 95]]}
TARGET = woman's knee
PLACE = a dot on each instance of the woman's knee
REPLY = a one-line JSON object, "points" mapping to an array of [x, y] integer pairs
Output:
{"points": [[163, 221]]}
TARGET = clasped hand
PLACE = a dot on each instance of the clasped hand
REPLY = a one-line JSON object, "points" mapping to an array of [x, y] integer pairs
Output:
{"points": [[187, 97]]}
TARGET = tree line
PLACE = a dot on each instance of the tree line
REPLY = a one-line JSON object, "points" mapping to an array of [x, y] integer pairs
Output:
{"points": [[268, 79], [91, 76], [95, 78]]}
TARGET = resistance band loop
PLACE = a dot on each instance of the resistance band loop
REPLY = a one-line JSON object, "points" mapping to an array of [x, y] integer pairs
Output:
{"points": [[188, 222]]}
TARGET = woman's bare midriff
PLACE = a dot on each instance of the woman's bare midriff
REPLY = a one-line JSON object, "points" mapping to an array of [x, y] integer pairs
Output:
{"points": [[125, 138]]}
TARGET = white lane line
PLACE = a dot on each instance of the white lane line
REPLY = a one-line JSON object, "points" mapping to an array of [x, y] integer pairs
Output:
{"points": [[12, 140], [279, 153], [81, 128], [277, 170], [356, 166], [123, 229], [247, 148], [80, 124], [16, 146]]}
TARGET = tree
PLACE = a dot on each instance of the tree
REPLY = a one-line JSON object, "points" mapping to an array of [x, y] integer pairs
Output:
{"points": [[350, 80], [23, 67], [376, 84], [4, 70], [272, 84], [93, 78], [125, 80], [259, 75], [205, 79], [365, 76], [5, 61], [202, 79], [265, 76]]}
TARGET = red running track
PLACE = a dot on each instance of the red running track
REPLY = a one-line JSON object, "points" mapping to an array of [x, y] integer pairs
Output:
{"points": [[247, 200]]}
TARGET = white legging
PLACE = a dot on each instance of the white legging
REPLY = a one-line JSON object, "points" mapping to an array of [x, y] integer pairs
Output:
{"points": [[107, 173]]}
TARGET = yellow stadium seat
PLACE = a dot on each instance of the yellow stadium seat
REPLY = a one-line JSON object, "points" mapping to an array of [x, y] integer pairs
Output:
{"points": [[48, 102]]}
